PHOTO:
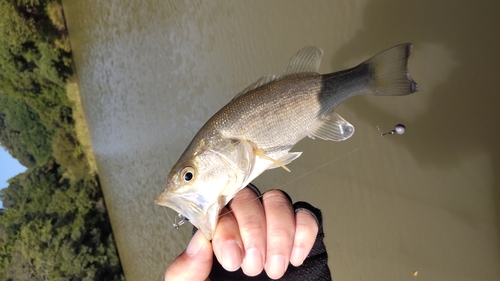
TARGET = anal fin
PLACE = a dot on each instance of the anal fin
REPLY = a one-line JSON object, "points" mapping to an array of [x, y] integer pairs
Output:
{"points": [[334, 128]]}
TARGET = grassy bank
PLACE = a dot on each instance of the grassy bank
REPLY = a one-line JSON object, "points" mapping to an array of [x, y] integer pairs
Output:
{"points": [[81, 128]]}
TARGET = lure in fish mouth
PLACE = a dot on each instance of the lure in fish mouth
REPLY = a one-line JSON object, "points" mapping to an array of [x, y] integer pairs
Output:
{"points": [[255, 131]]}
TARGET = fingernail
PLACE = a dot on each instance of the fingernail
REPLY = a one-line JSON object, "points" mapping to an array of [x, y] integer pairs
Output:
{"points": [[195, 244], [276, 266], [298, 256], [231, 256], [253, 262]]}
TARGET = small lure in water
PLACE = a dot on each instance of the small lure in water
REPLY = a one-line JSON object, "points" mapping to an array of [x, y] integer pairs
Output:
{"points": [[399, 129]]}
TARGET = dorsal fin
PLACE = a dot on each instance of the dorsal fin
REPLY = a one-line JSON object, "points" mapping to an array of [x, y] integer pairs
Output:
{"points": [[261, 81], [306, 59]]}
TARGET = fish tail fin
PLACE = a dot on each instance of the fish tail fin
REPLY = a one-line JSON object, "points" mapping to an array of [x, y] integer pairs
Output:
{"points": [[389, 70]]}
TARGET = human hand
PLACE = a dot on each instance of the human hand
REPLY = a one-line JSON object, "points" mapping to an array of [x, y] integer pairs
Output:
{"points": [[253, 236]]}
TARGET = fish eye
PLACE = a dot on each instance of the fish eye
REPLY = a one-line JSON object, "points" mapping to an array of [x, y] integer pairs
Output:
{"points": [[187, 174]]}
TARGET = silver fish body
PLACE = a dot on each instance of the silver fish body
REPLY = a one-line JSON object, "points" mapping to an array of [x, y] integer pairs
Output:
{"points": [[256, 130]]}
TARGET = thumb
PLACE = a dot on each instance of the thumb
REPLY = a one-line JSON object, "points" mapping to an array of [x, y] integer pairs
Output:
{"points": [[194, 263]]}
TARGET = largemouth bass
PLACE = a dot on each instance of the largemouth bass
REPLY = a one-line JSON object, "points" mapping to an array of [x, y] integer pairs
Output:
{"points": [[255, 131]]}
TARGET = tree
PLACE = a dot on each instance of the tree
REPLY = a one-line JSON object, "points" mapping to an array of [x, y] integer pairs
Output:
{"points": [[52, 228], [22, 129]]}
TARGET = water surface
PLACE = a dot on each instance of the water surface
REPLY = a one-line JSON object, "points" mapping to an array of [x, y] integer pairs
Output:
{"points": [[152, 72]]}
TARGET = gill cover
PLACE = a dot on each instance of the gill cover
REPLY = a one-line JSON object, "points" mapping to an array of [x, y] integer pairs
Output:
{"points": [[198, 188]]}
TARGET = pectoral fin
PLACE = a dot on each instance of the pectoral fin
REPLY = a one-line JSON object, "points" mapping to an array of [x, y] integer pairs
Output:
{"points": [[285, 160], [280, 162], [334, 128]]}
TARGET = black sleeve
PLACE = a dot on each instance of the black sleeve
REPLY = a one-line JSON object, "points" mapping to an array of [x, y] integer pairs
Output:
{"points": [[315, 267]]}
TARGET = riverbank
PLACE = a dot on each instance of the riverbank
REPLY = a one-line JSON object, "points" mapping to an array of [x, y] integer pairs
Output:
{"points": [[81, 128], [54, 224]]}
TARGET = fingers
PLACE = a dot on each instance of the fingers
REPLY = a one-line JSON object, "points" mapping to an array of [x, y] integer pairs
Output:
{"points": [[255, 235], [249, 214], [306, 230], [280, 225], [194, 263], [227, 244]]}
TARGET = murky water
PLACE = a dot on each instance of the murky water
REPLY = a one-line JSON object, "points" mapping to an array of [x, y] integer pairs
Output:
{"points": [[152, 72]]}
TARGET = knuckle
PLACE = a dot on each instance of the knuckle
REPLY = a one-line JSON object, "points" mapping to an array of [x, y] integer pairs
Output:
{"points": [[276, 199], [305, 219], [243, 196], [252, 224], [280, 234], [274, 193], [225, 216], [306, 225]]}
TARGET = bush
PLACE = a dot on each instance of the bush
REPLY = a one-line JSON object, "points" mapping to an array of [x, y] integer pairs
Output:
{"points": [[55, 12], [69, 155]]}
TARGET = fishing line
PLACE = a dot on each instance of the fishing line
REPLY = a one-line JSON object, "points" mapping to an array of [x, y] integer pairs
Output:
{"points": [[301, 176], [319, 167], [157, 108], [399, 129]]}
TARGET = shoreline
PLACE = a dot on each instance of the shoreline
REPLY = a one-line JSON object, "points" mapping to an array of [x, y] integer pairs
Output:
{"points": [[81, 128]]}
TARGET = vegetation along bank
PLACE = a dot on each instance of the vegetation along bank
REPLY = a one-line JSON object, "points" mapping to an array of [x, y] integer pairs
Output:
{"points": [[54, 224]]}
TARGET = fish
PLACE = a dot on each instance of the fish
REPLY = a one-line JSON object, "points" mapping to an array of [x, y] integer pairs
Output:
{"points": [[256, 130]]}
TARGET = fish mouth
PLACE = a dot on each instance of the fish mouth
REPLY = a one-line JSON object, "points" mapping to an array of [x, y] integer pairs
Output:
{"points": [[179, 203], [164, 200], [199, 212]]}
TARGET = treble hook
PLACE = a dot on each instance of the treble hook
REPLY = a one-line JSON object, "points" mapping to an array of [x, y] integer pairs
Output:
{"points": [[181, 222]]}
